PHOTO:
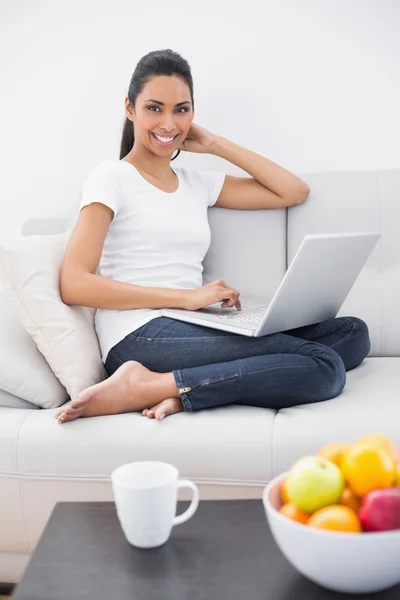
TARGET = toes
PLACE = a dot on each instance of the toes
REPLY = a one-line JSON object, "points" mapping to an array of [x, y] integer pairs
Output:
{"points": [[150, 412], [75, 407], [61, 410], [164, 409], [64, 417], [68, 413], [161, 413], [168, 407]]}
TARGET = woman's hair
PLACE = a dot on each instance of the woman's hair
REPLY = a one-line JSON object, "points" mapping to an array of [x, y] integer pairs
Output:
{"points": [[158, 62]]}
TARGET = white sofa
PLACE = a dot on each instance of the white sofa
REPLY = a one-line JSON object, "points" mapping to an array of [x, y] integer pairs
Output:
{"points": [[233, 451]]}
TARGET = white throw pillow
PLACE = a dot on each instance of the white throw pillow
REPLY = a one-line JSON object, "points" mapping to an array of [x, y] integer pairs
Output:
{"points": [[64, 334], [24, 373]]}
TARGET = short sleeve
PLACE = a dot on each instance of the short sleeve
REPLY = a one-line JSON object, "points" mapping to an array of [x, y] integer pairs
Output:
{"points": [[213, 182], [102, 186]]}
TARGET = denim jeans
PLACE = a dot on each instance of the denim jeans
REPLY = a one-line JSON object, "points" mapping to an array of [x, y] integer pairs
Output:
{"points": [[215, 368]]}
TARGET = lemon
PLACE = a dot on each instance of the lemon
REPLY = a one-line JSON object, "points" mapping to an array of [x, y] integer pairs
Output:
{"points": [[367, 467]]}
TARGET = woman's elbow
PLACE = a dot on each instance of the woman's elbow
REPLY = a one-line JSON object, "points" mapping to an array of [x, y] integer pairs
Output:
{"points": [[68, 288]]}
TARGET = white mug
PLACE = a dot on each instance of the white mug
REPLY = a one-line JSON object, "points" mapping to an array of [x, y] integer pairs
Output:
{"points": [[146, 494]]}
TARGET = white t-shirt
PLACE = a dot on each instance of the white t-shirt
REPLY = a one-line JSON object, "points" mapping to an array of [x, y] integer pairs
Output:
{"points": [[155, 238]]}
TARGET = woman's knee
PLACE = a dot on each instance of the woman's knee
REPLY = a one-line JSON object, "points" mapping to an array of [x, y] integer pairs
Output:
{"points": [[361, 341], [332, 373]]}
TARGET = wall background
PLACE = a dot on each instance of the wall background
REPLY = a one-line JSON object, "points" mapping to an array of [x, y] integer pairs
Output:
{"points": [[314, 85]]}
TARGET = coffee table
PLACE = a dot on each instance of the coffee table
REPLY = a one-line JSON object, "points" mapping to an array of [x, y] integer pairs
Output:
{"points": [[224, 552]]}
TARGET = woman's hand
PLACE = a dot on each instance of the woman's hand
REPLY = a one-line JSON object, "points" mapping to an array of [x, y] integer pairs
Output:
{"points": [[198, 140], [216, 291]]}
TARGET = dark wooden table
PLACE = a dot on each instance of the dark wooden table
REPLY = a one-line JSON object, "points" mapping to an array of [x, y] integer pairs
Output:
{"points": [[224, 552]]}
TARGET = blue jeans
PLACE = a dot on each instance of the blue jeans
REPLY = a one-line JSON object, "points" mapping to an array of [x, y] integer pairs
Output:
{"points": [[214, 368]]}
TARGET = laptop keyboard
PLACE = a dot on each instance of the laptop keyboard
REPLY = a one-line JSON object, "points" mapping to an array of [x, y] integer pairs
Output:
{"points": [[251, 315]]}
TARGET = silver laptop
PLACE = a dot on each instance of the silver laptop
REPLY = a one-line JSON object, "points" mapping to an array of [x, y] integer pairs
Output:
{"points": [[313, 289]]}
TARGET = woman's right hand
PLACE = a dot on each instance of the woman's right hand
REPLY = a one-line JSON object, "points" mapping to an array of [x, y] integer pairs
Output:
{"points": [[216, 291]]}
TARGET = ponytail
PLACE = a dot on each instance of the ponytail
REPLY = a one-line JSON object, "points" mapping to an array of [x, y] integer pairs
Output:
{"points": [[128, 138]]}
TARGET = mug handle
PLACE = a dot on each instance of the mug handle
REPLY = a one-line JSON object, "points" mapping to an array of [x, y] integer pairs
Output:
{"points": [[194, 504]]}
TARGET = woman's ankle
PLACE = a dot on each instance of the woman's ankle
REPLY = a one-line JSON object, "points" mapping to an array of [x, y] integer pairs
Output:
{"points": [[163, 386]]}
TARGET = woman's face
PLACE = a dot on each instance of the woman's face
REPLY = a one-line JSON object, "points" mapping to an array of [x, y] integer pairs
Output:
{"points": [[163, 109]]}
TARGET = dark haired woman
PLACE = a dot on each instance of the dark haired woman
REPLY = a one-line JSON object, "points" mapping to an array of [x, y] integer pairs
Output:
{"points": [[145, 224]]}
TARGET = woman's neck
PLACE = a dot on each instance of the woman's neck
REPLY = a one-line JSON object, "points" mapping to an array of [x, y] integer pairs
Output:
{"points": [[155, 166]]}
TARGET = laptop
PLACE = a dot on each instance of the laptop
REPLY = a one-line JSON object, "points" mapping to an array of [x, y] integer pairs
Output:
{"points": [[313, 289]]}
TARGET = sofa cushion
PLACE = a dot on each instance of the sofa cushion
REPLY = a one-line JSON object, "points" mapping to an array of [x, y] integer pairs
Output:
{"points": [[226, 451], [26, 380], [8, 400], [64, 334], [369, 403]]}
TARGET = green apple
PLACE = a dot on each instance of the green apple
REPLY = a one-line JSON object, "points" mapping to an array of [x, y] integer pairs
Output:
{"points": [[314, 482]]}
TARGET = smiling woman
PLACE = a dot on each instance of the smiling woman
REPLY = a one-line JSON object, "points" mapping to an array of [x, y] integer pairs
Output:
{"points": [[145, 225], [160, 137]]}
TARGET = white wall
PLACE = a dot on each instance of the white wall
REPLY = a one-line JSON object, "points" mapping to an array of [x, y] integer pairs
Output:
{"points": [[311, 84]]}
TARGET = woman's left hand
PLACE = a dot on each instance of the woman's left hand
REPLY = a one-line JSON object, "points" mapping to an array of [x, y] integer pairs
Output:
{"points": [[198, 140]]}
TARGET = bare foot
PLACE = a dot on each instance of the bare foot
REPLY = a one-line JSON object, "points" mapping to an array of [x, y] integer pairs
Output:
{"points": [[166, 408], [132, 387]]}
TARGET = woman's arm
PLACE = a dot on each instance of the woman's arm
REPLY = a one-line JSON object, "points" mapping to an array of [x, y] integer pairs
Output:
{"points": [[269, 174], [88, 289], [81, 285]]}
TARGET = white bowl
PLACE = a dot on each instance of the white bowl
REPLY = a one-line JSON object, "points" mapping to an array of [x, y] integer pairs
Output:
{"points": [[339, 561]]}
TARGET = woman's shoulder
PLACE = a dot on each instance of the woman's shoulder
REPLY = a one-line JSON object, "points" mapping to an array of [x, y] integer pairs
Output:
{"points": [[110, 170]]}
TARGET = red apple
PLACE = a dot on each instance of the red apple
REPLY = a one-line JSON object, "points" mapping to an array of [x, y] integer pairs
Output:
{"points": [[380, 510]]}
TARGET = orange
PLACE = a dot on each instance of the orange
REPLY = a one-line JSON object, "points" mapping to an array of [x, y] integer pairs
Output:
{"points": [[336, 518], [397, 476], [381, 440], [367, 467], [291, 511], [334, 452], [348, 498], [284, 494]]}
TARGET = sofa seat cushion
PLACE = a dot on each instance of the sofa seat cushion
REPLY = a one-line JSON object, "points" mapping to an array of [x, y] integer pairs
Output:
{"points": [[226, 451], [11, 421], [369, 403], [228, 444]]}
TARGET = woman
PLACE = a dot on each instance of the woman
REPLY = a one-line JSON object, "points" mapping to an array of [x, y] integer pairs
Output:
{"points": [[146, 225]]}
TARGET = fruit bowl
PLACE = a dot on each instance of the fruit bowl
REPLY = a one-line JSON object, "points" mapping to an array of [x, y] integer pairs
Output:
{"points": [[340, 561]]}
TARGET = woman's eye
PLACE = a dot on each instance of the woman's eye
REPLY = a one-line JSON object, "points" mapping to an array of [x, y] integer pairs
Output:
{"points": [[179, 109]]}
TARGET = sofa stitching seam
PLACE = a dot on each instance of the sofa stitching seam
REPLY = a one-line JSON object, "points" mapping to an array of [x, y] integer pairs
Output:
{"points": [[20, 480]]}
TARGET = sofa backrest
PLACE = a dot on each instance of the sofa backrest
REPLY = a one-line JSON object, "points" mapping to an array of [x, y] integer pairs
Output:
{"points": [[338, 202]]}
